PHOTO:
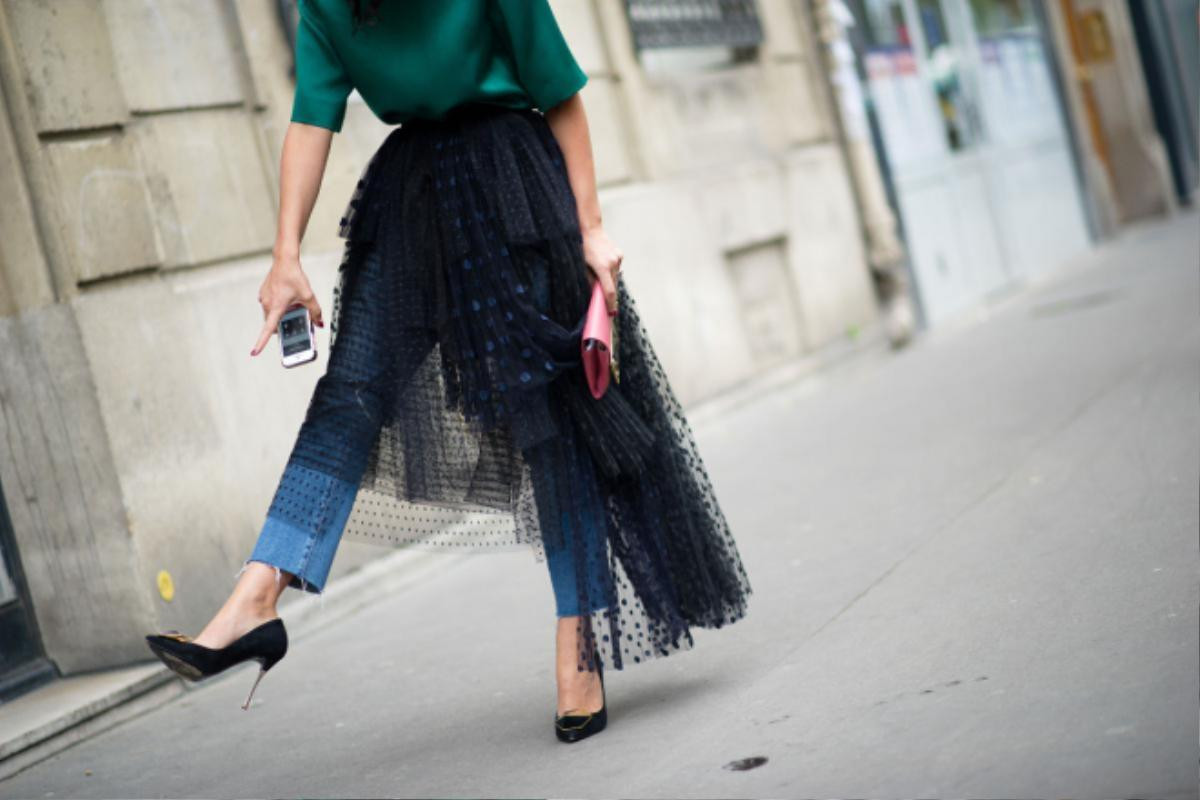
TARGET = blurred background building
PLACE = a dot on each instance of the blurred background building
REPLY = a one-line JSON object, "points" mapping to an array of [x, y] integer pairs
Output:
{"points": [[1014, 133], [784, 176]]}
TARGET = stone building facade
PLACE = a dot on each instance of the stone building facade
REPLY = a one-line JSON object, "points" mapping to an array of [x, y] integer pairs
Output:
{"points": [[140, 444]]}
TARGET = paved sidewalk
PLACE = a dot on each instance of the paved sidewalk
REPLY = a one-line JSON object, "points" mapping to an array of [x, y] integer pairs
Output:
{"points": [[975, 573]]}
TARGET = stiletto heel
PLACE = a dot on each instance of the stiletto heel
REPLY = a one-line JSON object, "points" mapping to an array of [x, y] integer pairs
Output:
{"points": [[573, 727], [261, 671], [266, 644]]}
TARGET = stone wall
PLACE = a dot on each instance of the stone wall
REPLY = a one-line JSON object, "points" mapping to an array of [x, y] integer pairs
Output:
{"points": [[139, 144]]}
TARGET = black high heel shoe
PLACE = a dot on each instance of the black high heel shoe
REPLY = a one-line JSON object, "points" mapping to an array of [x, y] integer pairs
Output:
{"points": [[573, 727], [266, 644]]}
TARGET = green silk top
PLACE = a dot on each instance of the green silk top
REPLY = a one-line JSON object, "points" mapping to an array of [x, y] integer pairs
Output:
{"points": [[423, 57]]}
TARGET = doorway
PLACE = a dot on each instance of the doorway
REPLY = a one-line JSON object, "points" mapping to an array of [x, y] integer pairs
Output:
{"points": [[976, 143], [23, 664]]}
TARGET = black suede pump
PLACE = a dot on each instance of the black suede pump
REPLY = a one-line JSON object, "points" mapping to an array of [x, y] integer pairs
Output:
{"points": [[266, 644], [573, 727]]}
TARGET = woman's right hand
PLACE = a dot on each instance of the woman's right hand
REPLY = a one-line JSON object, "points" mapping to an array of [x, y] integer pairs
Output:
{"points": [[301, 165], [604, 259], [286, 285]]}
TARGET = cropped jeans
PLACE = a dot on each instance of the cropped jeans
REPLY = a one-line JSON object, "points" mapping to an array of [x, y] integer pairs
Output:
{"points": [[305, 545]]}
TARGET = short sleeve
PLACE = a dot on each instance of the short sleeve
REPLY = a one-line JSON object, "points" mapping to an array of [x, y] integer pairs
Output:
{"points": [[322, 85], [545, 66]]}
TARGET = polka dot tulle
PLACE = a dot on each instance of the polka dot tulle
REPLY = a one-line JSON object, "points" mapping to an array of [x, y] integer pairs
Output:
{"points": [[463, 414]]}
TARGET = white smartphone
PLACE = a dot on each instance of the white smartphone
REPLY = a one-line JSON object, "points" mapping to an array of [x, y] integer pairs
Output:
{"points": [[296, 338]]}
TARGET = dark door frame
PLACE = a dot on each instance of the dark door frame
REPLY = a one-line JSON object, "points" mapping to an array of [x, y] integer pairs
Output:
{"points": [[23, 662]]}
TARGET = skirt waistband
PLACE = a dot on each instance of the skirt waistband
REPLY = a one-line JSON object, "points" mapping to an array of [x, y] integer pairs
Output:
{"points": [[466, 112]]}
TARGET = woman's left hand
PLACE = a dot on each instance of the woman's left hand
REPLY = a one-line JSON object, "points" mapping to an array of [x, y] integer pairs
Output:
{"points": [[604, 258]]}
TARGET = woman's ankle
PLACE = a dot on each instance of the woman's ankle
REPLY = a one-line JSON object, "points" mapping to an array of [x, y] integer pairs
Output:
{"points": [[259, 588]]}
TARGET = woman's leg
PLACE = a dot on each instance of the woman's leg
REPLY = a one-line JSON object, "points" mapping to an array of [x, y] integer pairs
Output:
{"points": [[286, 554], [578, 689], [251, 603], [312, 502], [563, 569]]}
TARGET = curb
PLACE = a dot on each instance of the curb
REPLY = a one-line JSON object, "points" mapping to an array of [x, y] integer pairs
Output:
{"points": [[91, 703]]}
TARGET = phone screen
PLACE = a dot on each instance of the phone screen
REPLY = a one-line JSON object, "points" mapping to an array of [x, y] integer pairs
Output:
{"points": [[294, 331]]}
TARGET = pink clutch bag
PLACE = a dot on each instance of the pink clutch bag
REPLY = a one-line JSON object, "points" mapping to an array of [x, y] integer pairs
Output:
{"points": [[597, 343]]}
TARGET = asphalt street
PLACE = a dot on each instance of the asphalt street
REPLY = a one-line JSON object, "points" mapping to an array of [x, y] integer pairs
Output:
{"points": [[975, 573]]}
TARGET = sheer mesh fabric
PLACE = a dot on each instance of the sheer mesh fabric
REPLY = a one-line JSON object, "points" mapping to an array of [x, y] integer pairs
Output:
{"points": [[467, 421]]}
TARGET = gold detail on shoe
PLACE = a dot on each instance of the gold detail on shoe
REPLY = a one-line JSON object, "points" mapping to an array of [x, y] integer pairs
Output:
{"points": [[177, 636], [587, 718]]}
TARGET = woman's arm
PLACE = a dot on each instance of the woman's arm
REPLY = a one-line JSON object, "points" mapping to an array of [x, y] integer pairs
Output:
{"points": [[305, 151], [568, 121]]}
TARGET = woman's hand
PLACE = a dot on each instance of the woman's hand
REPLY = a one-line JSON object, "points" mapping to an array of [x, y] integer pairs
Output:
{"points": [[285, 286], [604, 258], [301, 166]]}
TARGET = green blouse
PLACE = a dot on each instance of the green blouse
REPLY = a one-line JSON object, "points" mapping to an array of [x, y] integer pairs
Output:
{"points": [[423, 57]]}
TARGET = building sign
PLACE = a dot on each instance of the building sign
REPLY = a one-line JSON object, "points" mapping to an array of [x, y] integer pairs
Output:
{"points": [[691, 23]]}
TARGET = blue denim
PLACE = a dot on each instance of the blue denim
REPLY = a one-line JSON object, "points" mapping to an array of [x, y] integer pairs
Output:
{"points": [[308, 515], [308, 554], [562, 569]]}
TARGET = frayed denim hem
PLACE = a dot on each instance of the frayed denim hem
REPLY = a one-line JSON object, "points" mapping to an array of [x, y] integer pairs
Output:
{"points": [[297, 580], [301, 550]]}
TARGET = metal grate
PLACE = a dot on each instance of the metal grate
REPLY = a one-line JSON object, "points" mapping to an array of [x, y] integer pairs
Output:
{"points": [[690, 23]]}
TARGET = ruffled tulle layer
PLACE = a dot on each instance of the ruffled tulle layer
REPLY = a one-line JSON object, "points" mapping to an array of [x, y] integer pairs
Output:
{"points": [[483, 433]]}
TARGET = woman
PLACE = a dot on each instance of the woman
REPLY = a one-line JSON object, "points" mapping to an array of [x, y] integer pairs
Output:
{"points": [[454, 380]]}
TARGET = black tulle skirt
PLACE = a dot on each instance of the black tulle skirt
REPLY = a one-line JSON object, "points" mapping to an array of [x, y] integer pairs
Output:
{"points": [[468, 420]]}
